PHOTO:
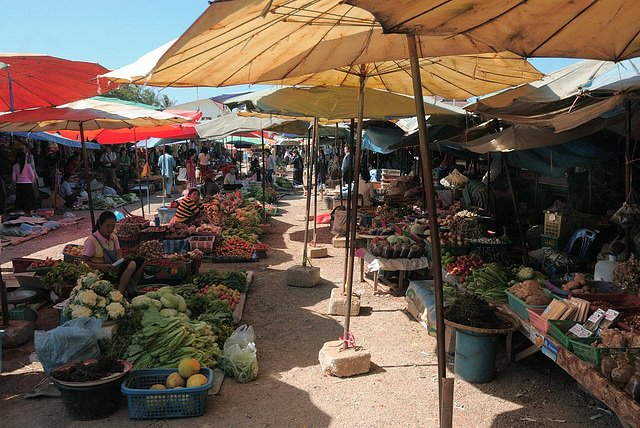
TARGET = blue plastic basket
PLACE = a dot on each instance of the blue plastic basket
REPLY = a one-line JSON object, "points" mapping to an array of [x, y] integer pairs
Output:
{"points": [[165, 403]]}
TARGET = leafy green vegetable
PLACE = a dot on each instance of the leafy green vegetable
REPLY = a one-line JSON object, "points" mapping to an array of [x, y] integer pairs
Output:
{"points": [[65, 274], [200, 305], [233, 280]]}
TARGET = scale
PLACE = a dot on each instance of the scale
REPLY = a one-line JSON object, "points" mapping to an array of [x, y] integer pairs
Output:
{"points": [[20, 298]]}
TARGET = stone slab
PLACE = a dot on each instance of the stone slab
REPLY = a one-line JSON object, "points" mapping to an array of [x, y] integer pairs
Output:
{"points": [[18, 333], [335, 361], [318, 252], [339, 241], [303, 276], [338, 303]]}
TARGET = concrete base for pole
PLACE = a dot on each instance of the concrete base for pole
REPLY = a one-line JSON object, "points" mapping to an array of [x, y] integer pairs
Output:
{"points": [[339, 241], [338, 303], [318, 252], [303, 276], [336, 361], [18, 333]]}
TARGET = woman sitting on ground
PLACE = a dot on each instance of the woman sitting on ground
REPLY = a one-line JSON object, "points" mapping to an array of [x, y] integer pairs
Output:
{"points": [[189, 208], [102, 250]]}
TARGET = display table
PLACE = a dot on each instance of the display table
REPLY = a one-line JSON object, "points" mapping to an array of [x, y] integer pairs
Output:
{"points": [[376, 264], [587, 374]]}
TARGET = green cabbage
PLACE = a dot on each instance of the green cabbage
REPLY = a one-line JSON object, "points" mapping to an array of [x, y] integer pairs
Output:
{"points": [[142, 302], [170, 301], [525, 273], [169, 312]]}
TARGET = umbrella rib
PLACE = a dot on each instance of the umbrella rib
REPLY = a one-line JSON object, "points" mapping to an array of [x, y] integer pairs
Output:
{"points": [[31, 92], [627, 45], [375, 66], [401, 23], [448, 82], [562, 28], [476, 78]]}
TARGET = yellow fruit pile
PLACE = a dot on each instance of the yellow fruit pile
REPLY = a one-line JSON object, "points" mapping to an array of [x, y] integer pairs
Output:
{"points": [[188, 375]]}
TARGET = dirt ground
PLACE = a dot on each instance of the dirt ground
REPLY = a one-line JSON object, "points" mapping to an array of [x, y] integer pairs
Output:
{"points": [[291, 327]]}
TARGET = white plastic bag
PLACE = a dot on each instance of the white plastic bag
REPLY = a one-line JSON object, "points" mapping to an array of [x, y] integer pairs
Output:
{"points": [[239, 356], [182, 174]]}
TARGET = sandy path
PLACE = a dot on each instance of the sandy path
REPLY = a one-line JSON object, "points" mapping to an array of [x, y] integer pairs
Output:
{"points": [[400, 390]]}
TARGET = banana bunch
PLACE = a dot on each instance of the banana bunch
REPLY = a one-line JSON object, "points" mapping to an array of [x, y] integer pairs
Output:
{"points": [[489, 281]]}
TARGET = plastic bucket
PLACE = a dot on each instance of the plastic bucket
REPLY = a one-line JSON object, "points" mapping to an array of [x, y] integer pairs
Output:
{"points": [[475, 356], [91, 402]]}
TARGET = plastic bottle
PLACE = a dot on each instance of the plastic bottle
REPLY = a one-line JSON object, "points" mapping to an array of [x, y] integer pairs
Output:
{"points": [[604, 269]]}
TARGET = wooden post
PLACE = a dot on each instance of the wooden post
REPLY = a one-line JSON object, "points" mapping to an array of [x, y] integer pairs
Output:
{"points": [[628, 243], [3, 302], [86, 175], [146, 159], [349, 202], [340, 152], [309, 174], [354, 209], [523, 237], [135, 149], [433, 225], [264, 171], [164, 190], [314, 158]]}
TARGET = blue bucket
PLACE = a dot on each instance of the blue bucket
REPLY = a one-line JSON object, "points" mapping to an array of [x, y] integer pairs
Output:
{"points": [[475, 356]]}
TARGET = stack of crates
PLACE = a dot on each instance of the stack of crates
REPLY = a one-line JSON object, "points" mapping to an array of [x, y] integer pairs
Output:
{"points": [[558, 228]]}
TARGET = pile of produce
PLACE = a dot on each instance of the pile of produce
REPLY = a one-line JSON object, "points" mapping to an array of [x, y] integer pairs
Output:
{"points": [[73, 250], [632, 320], [233, 280], [269, 194], [460, 266], [155, 229], [246, 216], [530, 292], [450, 239], [389, 230], [260, 247], [207, 230], [614, 338], [396, 246], [64, 274], [165, 341], [187, 376], [489, 281], [81, 372], [626, 275], [223, 293], [623, 369], [234, 247], [466, 213], [239, 233], [284, 183], [467, 227], [472, 311], [524, 273], [130, 198], [134, 219], [578, 285], [165, 300], [48, 262], [150, 250], [105, 202], [128, 231], [95, 297], [177, 231]]}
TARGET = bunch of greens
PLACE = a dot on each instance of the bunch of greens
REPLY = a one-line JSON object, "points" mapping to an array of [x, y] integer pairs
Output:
{"points": [[209, 304], [221, 326], [233, 280], [65, 274], [472, 311], [118, 345]]}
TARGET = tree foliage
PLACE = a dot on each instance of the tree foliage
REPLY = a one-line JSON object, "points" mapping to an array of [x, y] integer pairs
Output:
{"points": [[138, 94]]}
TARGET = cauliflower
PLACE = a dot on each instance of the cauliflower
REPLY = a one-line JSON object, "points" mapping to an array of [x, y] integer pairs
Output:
{"points": [[80, 311], [115, 310], [101, 302], [87, 297], [88, 279], [102, 287], [115, 296]]}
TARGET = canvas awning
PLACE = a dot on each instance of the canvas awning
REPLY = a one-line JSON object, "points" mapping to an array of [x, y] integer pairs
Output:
{"points": [[230, 124], [602, 29], [45, 136]]}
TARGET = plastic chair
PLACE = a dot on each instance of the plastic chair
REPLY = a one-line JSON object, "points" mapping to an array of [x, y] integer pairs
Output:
{"points": [[587, 236]]}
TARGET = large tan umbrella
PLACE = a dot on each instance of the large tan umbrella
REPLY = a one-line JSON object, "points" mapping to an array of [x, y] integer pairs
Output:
{"points": [[593, 29], [250, 41], [86, 115]]}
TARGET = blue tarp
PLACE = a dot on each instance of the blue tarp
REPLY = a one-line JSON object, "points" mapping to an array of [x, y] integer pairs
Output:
{"points": [[45, 136], [380, 140]]}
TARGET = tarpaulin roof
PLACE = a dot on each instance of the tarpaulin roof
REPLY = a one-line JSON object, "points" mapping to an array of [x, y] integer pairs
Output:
{"points": [[289, 41], [93, 115], [336, 103], [45, 136], [230, 124], [380, 140], [600, 29], [46, 81]]}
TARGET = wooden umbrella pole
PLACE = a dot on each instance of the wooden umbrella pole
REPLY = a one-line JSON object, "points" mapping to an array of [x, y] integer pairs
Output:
{"points": [[444, 411], [348, 208], [309, 174], [627, 176], [315, 157], [86, 175], [146, 159], [135, 149], [515, 209], [340, 151], [354, 209], [164, 188], [264, 171]]}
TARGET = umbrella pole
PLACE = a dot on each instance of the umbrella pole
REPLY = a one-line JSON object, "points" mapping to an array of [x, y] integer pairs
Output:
{"points": [[340, 151], [146, 159], [309, 173], [348, 219], [354, 210], [135, 148], [445, 412], [515, 210], [164, 190], [316, 155], [86, 175], [264, 171], [627, 176]]}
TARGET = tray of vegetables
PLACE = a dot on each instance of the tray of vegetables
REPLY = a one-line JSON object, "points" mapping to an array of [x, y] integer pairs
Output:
{"points": [[42, 267]]}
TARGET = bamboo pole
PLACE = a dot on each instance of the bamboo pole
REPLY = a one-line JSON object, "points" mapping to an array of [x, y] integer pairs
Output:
{"points": [[627, 176], [354, 210], [315, 156], [86, 175], [348, 208], [146, 159], [164, 190], [340, 152], [264, 171], [444, 413], [515, 209], [309, 174]]}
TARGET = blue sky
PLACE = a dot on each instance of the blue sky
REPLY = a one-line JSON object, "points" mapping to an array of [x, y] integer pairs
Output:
{"points": [[116, 33]]}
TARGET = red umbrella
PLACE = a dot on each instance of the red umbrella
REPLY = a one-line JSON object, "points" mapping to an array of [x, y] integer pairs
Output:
{"points": [[32, 80]]}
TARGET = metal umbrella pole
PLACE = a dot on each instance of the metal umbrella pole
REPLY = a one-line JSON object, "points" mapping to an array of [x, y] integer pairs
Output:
{"points": [[86, 174], [315, 157], [309, 174], [264, 171], [354, 211], [445, 412]]}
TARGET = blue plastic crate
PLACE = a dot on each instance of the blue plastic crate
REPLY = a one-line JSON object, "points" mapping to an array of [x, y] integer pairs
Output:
{"points": [[167, 403]]}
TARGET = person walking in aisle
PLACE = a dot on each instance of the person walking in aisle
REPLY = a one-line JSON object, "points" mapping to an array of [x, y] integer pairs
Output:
{"points": [[108, 161], [24, 177], [125, 163], [167, 163], [322, 169]]}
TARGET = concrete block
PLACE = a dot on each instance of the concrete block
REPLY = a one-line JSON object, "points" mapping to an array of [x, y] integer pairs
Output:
{"points": [[338, 303], [318, 252], [339, 241], [335, 361], [18, 333], [303, 276]]}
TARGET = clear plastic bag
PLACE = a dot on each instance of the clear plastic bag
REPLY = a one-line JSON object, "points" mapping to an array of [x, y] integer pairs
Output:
{"points": [[239, 356], [76, 340]]}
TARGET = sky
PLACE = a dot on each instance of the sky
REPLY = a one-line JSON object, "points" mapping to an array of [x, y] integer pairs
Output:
{"points": [[117, 33]]}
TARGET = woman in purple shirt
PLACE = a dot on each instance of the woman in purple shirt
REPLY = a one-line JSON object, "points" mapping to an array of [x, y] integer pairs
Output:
{"points": [[24, 177]]}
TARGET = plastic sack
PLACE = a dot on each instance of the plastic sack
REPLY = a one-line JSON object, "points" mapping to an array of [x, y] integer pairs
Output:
{"points": [[109, 191], [455, 180], [627, 215], [76, 340], [239, 356]]}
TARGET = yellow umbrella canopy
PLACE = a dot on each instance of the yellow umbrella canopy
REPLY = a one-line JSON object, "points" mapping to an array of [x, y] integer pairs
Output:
{"points": [[252, 41], [593, 29]]}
